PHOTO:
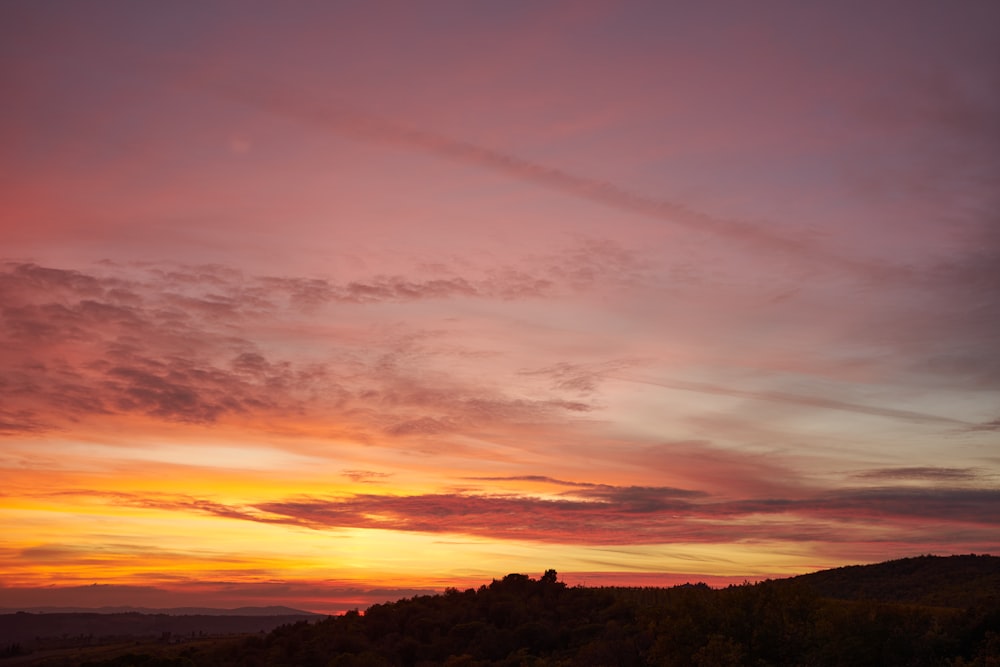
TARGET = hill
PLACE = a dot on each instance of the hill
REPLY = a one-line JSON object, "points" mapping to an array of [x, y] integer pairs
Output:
{"points": [[825, 619], [943, 581]]}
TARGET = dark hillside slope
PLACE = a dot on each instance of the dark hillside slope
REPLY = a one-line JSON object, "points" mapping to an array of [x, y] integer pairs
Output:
{"points": [[941, 581], [520, 621]]}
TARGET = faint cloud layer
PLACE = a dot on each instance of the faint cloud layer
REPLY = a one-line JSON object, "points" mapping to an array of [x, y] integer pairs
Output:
{"points": [[296, 104], [929, 474]]}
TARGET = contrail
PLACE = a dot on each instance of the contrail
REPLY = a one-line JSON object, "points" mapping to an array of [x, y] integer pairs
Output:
{"points": [[798, 399], [347, 121]]}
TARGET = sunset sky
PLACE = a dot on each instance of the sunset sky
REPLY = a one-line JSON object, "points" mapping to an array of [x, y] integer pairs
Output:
{"points": [[328, 303]]}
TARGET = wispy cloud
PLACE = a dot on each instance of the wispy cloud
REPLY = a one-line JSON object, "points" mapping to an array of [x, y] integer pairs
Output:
{"points": [[645, 515], [346, 119], [544, 479], [182, 344], [612, 515], [643, 495], [986, 426], [822, 402], [924, 473], [366, 476], [379, 289], [582, 378]]}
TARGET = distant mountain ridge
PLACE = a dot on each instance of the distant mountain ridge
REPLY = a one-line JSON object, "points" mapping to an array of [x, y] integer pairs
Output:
{"points": [[81, 628], [171, 611]]}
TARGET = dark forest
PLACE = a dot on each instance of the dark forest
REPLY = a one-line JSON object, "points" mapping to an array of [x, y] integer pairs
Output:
{"points": [[917, 611]]}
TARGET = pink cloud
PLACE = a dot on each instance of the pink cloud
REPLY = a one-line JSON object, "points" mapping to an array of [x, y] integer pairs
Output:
{"points": [[601, 514], [179, 345]]}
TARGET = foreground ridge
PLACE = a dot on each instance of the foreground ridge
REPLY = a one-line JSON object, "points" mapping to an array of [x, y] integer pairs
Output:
{"points": [[833, 617]]}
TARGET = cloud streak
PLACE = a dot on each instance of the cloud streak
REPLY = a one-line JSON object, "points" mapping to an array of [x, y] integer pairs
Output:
{"points": [[347, 120], [639, 515], [922, 473], [799, 399], [615, 515]]}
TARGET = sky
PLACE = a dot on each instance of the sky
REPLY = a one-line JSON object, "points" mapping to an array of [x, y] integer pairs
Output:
{"points": [[330, 303]]}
